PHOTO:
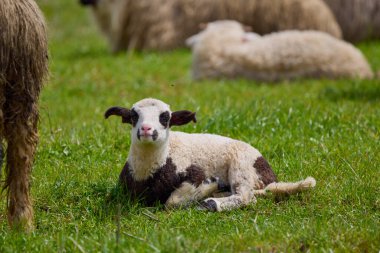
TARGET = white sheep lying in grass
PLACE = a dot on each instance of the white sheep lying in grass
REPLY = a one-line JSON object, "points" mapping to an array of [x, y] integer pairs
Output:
{"points": [[224, 50], [178, 168]]}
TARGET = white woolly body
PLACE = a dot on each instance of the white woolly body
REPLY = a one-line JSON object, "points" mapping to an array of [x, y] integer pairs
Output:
{"points": [[213, 153], [225, 50], [230, 161]]}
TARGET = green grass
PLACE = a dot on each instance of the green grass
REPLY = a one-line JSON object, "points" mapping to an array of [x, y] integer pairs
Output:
{"points": [[322, 128]]}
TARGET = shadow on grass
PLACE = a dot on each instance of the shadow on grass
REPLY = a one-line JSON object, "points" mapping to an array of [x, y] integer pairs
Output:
{"points": [[116, 201], [100, 201], [355, 90]]}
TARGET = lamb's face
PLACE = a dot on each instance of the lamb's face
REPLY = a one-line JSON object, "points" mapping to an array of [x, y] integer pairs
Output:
{"points": [[151, 119]]}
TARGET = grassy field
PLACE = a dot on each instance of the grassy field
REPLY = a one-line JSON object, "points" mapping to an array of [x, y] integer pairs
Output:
{"points": [[322, 128]]}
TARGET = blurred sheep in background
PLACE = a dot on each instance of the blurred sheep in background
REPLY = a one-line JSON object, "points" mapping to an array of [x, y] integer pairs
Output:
{"points": [[359, 19], [225, 50], [165, 24]]}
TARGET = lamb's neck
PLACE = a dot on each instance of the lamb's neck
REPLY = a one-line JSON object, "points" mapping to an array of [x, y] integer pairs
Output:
{"points": [[144, 160]]}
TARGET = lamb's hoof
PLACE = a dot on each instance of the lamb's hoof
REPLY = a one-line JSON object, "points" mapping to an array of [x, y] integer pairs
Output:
{"points": [[208, 205], [221, 185]]}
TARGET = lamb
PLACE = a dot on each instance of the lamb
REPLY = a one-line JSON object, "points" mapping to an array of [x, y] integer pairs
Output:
{"points": [[165, 24], [359, 19], [23, 67], [224, 50], [177, 168]]}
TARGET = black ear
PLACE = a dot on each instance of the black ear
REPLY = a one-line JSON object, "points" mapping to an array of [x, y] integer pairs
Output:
{"points": [[119, 111], [180, 118]]}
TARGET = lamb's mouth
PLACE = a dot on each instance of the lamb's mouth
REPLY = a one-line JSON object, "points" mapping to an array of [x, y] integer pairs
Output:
{"points": [[146, 137]]}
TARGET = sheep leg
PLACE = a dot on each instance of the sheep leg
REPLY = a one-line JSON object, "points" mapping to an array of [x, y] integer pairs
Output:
{"points": [[187, 193], [242, 195], [284, 188], [21, 117], [245, 195]]}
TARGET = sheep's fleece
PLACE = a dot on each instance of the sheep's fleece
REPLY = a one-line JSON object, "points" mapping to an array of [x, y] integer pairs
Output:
{"points": [[224, 50], [23, 69], [165, 24], [359, 19], [178, 168]]}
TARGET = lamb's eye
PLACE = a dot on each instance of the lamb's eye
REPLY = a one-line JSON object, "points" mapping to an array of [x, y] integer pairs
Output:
{"points": [[164, 118], [134, 117]]}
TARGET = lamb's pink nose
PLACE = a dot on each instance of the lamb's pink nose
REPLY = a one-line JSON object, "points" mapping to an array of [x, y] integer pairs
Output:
{"points": [[146, 128]]}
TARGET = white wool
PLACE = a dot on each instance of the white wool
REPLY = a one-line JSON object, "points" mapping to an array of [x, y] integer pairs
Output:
{"points": [[213, 153], [224, 50], [188, 193], [165, 24], [153, 155], [227, 160]]}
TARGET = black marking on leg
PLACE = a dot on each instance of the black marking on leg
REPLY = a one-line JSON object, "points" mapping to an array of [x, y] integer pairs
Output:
{"points": [[209, 205], [222, 186]]}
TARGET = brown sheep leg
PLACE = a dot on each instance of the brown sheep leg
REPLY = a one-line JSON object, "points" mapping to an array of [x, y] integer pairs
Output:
{"points": [[21, 116]]}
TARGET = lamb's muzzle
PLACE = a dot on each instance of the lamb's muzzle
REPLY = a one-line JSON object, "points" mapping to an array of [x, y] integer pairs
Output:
{"points": [[177, 168]]}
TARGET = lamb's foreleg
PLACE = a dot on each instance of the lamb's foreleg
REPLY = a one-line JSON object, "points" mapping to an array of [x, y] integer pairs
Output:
{"points": [[188, 193], [242, 195]]}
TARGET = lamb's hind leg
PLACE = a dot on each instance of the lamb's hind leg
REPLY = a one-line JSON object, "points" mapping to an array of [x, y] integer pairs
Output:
{"points": [[287, 188], [188, 193], [21, 117]]}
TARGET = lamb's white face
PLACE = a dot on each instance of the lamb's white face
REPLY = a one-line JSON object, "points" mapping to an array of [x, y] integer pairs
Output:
{"points": [[150, 120]]}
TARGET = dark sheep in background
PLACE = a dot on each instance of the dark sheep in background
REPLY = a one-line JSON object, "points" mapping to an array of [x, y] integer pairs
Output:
{"points": [[165, 24], [358, 19], [23, 66]]}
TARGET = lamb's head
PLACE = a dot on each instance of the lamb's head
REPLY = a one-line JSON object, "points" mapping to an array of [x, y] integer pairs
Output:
{"points": [[151, 120]]}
